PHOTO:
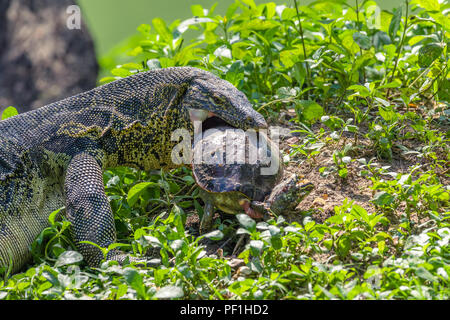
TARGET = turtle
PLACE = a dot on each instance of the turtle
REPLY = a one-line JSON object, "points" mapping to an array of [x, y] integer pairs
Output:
{"points": [[250, 184]]}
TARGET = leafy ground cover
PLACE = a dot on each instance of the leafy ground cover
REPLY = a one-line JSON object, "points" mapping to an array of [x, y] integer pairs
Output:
{"points": [[364, 94]]}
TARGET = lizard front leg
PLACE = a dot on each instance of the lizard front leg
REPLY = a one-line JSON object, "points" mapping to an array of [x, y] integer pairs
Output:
{"points": [[89, 211]]}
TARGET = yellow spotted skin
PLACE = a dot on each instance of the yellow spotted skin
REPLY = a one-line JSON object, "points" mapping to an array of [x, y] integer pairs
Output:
{"points": [[54, 156]]}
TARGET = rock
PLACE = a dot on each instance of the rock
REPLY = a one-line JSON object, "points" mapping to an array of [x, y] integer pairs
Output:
{"points": [[244, 270], [292, 140], [236, 263], [319, 202]]}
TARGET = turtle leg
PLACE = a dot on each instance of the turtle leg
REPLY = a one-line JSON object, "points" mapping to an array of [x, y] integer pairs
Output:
{"points": [[208, 213]]}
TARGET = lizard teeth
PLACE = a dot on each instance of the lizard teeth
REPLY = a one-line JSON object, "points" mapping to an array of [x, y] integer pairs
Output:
{"points": [[198, 114]]}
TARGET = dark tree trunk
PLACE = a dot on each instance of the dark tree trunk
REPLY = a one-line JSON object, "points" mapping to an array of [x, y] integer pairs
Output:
{"points": [[41, 59]]}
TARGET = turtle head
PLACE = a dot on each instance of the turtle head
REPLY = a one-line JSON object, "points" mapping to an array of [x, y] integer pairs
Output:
{"points": [[304, 190], [211, 99], [288, 194]]}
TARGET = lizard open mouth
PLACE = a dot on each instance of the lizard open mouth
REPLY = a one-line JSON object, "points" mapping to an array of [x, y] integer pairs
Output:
{"points": [[214, 122], [208, 119]]}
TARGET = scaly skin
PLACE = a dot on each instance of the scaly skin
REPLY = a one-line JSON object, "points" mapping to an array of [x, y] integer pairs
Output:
{"points": [[55, 155]]}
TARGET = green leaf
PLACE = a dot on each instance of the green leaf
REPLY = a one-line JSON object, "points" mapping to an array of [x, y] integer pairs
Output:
{"points": [[423, 273], [68, 257], [366, 59], [161, 29], [395, 23], [343, 172], [137, 190], [132, 276], [428, 53], [288, 13], [286, 92], [153, 64], [429, 5], [256, 247], [388, 114], [134, 279], [343, 246], [405, 179], [270, 10], [144, 29], [443, 196], [348, 42], [362, 40], [214, 235], [383, 198], [52, 217], [121, 72], [360, 90], [170, 292], [115, 245], [189, 22], [103, 250], [394, 84], [359, 211], [178, 245], [197, 10], [240, 287], [274, 230], [289, 57], [132, 65], [299, 73], [444, 90], [121, 290], [9, 112], [247, 222], [189, 180], [250, 3], [276, 242], [309, 110], [231, 10]]}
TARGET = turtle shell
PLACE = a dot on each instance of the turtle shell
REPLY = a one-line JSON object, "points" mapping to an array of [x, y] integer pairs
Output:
{"points": [[227, 159]]}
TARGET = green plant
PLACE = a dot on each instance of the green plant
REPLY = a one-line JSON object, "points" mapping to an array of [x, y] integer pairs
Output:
{"points": [[358, 83]]}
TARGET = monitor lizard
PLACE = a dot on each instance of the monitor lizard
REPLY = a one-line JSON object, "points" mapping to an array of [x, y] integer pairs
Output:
{"points": [[54, 156]]}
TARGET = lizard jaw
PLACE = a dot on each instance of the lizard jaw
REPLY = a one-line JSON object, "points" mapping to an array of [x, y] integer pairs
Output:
{"points": [[209, 120], [206, 119]]}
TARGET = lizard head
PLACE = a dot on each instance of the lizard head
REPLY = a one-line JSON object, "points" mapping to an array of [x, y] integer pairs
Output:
{"points": [[212, 99]]}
